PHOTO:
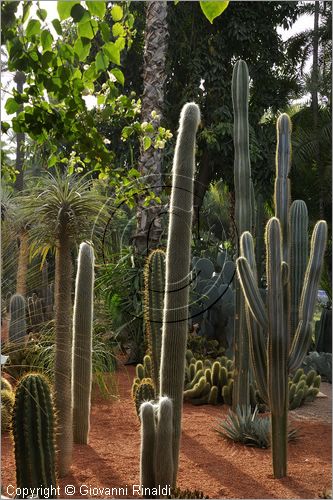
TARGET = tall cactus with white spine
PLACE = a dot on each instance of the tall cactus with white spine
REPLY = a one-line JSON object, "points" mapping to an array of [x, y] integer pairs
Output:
{"points": [[286, 344], [82, 343], [154, 274], [243, 217], [175, 319]]}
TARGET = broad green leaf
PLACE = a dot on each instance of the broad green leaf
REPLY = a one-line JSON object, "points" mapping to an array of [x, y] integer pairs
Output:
{"points": [[118, 30], [33, 28], [97, 8], [46, 40], [64, 9], [100, 99], [102, 61], [57, 26], [146, 143], [82, 48], [176, 1], [77, 12], [26, 11], [113, 52], [105, 31], [120, 43], [117, 12], [87, 29], [11, 106], [212, 10], [119, 75], [4, 127], [42, 14]]}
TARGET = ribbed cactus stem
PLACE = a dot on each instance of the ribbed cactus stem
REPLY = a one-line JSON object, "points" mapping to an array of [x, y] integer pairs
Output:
{"points": [[175, 319], [82, 343], [17, 323], [153, 307], [147, 453], [298, 256], [243, 216], [302, 336], [259, 250], [33, 431], [163, 453], [282, 182]]}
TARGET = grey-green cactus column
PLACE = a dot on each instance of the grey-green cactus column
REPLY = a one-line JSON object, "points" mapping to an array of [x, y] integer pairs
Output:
{"points": [[175, 320], [17, 323], [243, 217], [82, 343]]}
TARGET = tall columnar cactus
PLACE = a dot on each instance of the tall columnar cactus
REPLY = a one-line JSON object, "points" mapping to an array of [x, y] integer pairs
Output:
{"points": [[285, 347], [17, 324], [260, 229], [243, 216], [153, 307], [82, 343], [156, 461], [175, 319], [33, 430]]}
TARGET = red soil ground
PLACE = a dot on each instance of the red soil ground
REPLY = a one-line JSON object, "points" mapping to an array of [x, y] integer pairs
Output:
{"points": [[220, 468]]}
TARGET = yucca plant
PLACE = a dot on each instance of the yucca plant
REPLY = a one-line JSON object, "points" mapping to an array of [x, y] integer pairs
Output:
{"points": [[247, 427], [62, 210]]}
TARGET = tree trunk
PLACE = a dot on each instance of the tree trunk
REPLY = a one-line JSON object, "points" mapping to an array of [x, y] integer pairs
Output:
{"points": [[23, 261], [19, 79], [63, 354], [315, 107], [148, 229]]}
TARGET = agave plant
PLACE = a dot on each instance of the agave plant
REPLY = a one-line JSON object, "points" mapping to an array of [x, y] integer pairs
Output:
{"points": [[62, 211], [247, 427]]}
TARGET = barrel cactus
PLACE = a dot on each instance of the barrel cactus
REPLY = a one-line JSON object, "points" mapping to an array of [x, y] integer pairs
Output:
{"points": [[33, 430]]}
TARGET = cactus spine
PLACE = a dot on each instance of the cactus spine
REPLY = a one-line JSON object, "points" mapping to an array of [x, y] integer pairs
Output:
{"points": [[153, 307], [285, 349], [82, 343], [33, 430], [17, 324], [175, 319], [243, 216]]}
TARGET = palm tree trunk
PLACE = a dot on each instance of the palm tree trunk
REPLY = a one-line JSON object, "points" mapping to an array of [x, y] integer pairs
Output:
{"points": [[148, 229], [20, 137], [315, 106], [22, 265], [63, 354]]}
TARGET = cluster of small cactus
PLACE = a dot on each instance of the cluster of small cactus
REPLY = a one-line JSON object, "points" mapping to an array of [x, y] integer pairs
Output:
{"points": [[143, 388], [7, 404], [213, 300], [33, 431], [207, 382], [303, 387], [178, 493], [17, 323]]}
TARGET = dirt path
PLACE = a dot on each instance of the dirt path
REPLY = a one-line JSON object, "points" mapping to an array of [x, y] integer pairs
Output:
{"points": [[207, 462]]}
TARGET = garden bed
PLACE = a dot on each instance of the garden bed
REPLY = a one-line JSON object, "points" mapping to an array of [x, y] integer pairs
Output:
{"points": [[207, 462]]}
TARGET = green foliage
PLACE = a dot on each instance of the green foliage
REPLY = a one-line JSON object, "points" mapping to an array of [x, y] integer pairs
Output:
{"points": [[34, 431], [245, 426], [212, 10]]}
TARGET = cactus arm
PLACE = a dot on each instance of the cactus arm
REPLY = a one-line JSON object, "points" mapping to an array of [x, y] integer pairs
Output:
{"points": [[298, 256], [251, 292], [147, 452], [282, 182], [256, 334], [175, 319], [82, 343], [277, 349], [163, 453], [302, 337], [243, 214]]}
